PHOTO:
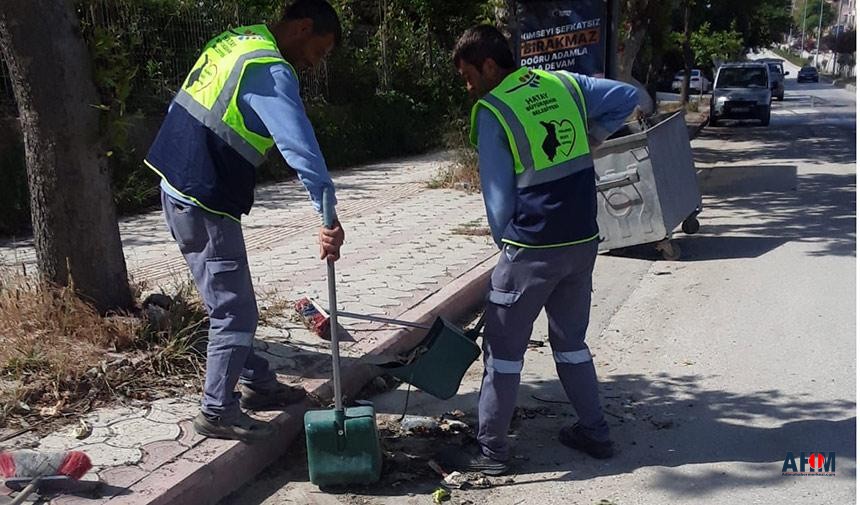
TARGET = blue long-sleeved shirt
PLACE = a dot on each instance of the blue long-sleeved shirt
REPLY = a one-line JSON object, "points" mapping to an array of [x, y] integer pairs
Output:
{"points": [[608, 104], [270, 104]]}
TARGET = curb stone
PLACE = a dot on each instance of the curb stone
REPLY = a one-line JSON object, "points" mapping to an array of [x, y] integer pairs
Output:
{"points": [[213, 469]]}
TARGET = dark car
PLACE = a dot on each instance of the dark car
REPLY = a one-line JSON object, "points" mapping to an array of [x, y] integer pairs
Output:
{"points": [[807, 74], [741, 91]]}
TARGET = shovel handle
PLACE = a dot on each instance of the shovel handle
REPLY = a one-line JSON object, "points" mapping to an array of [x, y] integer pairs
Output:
{"points": [[328, 221]]}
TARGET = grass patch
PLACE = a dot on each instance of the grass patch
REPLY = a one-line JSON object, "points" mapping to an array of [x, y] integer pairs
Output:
{"points": [[59, 358], [796, 59], [460, 174], [463, 172]]}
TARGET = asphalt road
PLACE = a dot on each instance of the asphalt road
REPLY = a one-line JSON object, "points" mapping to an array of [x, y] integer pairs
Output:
{"points": [[712, 368]]}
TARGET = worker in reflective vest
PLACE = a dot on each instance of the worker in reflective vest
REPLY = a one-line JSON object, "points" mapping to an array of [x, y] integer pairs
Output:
{"points": [[534, 131], [240, 99]]}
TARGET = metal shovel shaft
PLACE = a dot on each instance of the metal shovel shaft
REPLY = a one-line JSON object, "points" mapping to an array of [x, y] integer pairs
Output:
{"points": [[328, 218]]}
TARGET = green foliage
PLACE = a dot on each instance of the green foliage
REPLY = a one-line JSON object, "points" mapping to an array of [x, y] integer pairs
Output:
{"points": [[811, 14], [709, 46], [387, 124], [389, 89], [798, 60]]}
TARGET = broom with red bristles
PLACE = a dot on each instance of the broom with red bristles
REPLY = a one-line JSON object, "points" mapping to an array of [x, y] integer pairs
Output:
{"points": [[32, 468]]}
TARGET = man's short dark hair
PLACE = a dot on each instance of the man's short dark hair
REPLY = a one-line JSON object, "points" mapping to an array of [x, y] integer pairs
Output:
{"points": [[320, 12], [481, 42]]}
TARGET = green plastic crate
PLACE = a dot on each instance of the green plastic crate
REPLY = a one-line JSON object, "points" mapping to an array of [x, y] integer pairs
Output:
{"points": [[351, 455]]}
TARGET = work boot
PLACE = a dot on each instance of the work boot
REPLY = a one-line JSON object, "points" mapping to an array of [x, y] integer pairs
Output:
{"points": [[470, 459], [244, 428], [575, 437], [270, 397]]}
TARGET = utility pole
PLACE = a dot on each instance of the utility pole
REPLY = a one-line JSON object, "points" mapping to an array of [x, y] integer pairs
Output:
{"points": [[818, 44], [840, 27], [803, 31], [688, 55]]}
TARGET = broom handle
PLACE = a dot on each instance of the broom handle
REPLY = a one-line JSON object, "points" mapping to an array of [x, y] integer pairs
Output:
{"points": [[328, 219], [26, 492]]}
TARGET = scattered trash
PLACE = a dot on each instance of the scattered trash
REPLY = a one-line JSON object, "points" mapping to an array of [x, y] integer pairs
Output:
{"points": [[455, 479], [536, 343], [453, 425], [441, 495], [54, 410], [82, 430], [483, 482], [457, 414], [419, 424]]}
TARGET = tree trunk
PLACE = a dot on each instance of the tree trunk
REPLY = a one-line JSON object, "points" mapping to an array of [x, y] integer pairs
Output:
{"points": [[688, 56], [632, 46], [635, 15], [74, 219]]}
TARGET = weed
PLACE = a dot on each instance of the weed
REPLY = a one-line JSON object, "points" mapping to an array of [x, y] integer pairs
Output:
{"points": [[60, 357]]}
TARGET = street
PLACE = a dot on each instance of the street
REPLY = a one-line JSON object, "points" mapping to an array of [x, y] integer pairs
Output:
{"points": [[712, 368]]}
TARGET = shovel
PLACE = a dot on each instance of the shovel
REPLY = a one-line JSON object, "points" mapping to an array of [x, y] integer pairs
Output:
{"points": [[343, 444]]}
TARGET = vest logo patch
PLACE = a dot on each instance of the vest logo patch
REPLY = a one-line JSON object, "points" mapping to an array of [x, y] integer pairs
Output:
{"points": [[560, 136], [529, 79], [202, 76]]}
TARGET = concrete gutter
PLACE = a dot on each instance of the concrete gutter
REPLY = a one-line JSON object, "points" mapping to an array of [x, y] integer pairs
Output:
{"points": [[213, 469]]}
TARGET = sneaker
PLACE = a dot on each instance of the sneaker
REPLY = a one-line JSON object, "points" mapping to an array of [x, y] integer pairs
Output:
{"points": [[271, 397], [576, 438], [244, 428], [470, 459]]}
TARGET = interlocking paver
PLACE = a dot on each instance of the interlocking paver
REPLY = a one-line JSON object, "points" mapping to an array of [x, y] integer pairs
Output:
{"points": [[109, 456], [141, 431], [401, 247]]}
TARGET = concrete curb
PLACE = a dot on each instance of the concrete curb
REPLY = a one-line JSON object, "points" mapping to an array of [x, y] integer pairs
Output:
{"points": [[213, 469]]}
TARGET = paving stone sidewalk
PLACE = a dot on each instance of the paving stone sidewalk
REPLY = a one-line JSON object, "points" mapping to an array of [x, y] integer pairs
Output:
{"points": [[404, 243]]}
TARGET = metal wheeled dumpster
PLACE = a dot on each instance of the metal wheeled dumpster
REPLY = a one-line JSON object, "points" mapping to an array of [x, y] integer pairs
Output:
{"points": [[647, 185]]}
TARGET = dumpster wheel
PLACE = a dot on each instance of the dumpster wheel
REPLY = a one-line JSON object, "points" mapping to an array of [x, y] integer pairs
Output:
{"points": [[670, 250], [690, 226]]}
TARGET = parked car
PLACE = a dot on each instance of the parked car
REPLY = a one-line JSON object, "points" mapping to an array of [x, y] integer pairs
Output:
{"points": [[807, 74], [698, 81], [741, 91], [777, 77]]}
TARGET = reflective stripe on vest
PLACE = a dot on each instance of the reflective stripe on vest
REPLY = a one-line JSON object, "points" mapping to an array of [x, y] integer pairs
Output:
{"points": [[544, 117], [211, 89]]}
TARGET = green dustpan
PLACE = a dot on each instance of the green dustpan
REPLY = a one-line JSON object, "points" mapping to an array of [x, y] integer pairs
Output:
{"points": [[437, 365], [343, 444]]}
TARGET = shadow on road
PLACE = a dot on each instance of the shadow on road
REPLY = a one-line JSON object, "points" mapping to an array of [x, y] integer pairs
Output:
{"points": [[758, 208], [827, 144], [815, 209]]}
